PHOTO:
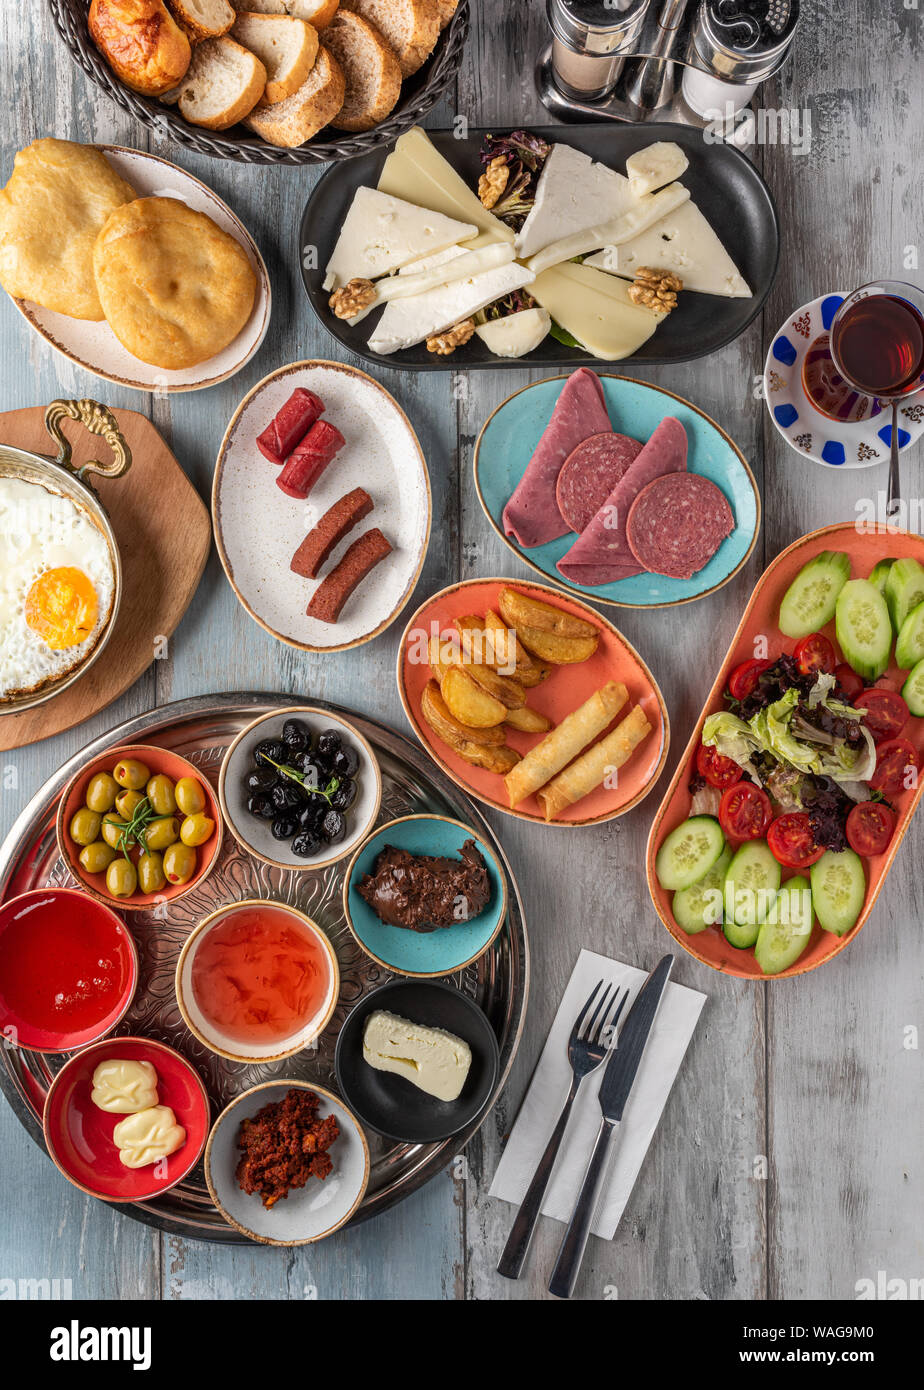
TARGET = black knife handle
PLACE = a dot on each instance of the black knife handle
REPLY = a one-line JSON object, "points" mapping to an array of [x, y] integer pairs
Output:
{"points": [[521, 1234], [568, 1264]]}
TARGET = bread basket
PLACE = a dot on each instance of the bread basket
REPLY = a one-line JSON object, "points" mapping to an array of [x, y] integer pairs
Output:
{"points": [[418, 94]]}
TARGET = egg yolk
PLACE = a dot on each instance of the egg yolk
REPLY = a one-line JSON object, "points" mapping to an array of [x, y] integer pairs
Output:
{"points": [[61, 607]]}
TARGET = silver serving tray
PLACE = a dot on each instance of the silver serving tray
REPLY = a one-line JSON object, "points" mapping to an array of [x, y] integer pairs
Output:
{"points": [[201, 729]]}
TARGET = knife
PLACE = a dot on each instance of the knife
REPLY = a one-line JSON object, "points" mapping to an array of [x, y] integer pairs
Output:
{"points": [[614, 1092]]}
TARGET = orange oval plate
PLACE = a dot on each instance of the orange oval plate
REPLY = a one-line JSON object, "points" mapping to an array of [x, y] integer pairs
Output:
{"points": [[566, 688], [865, 548]]}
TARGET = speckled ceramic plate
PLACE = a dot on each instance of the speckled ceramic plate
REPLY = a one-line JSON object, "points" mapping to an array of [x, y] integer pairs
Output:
{"points": [[258, 528], [838, 444], [95, 347]]}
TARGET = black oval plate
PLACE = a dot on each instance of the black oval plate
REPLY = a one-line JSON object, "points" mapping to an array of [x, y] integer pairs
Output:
{"points": [[726, 187], [392, 1104]]}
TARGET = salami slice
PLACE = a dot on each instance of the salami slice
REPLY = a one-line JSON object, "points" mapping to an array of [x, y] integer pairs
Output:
{"points": [[358, 561], [677, 523], [601, 553], [323, 538], [589, 474], [532, 516]]}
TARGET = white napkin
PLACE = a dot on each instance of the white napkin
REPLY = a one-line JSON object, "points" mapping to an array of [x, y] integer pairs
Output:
{"points": [[667, 1042]]}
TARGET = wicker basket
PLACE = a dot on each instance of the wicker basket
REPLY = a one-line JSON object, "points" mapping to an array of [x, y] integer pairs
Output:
{"points": [[418, 94]]}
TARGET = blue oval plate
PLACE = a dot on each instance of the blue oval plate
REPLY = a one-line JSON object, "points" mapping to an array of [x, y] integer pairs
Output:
{"points": [[416, 953], [509, 438]]}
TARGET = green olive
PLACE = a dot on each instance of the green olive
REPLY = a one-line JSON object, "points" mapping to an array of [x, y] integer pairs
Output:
{"points": [[189, 796], [161, 833], [102, 791], [151, 877], [97, 857], [112, 830], [161, 795], [179, 862], [121, 878], [195, 830], [130, 773], [127, 803], [85, 826]]}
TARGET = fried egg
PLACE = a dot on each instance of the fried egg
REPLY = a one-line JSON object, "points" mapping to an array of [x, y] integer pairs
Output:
{"points": [[57, 583]]}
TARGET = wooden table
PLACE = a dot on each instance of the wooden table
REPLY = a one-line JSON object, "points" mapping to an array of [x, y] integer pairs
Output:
{"points": [[789, 1161]]}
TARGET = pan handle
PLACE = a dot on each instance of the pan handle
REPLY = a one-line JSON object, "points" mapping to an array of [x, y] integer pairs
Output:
{"points": [[98, 419]]}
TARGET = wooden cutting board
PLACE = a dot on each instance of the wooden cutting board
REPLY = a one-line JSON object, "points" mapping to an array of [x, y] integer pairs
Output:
{"points": [[164, 533]]}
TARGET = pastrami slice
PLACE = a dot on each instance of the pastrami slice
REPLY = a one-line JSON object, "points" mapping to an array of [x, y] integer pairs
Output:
{"points": [[531, 516], [589, 474], [677, 523]]}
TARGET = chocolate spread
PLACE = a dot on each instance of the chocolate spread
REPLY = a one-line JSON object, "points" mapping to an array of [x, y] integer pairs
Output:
{"points": [[423, 892]]}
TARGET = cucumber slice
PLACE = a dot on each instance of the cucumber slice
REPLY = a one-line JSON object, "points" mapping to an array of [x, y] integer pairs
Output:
{"points": [[913, 690], [904, 590], [863, 628], [785, 934], [880, 573], [751, 885], [689, 852], [809, 601], [838, 889], [909, 649], [700, 906]]}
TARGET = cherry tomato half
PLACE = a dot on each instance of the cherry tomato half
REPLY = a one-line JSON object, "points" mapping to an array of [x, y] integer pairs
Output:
{"points": [[745, 812], [744, 678], [869, 827], [896, 761], [814, 653], [886, 713], [848, 680], [718, 770], [792, 842]]}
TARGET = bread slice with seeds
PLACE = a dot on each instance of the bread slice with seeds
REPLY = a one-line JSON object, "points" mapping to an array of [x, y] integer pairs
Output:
{"points": [[412, 27], [286, 47], [291, 122], [225, 81], [370, 70]]}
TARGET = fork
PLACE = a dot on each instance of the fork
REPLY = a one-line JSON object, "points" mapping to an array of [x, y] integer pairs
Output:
{"points": [[587, 1048]]}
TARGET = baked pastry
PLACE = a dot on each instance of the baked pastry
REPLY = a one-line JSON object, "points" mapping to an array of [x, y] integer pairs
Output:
{"points": [[447, 9], [202, 19], [370, 71], [175, 288], [58, 198], [291, 122], [141, 42], [412, 27], [286, 47], [223, 84]]}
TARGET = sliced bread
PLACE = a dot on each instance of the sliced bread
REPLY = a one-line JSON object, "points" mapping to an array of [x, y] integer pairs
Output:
{"points": [[286, 47], [316, 12], [370, 71], [447, 9], [225, 81], [291, 122], [412, 27], [202, 19]]}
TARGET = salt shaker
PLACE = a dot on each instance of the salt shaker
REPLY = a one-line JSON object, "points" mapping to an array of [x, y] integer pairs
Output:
{"points": [[735, 45]]}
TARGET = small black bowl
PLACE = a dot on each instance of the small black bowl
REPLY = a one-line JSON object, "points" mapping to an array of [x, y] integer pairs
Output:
{"points": [[391, 1104]]}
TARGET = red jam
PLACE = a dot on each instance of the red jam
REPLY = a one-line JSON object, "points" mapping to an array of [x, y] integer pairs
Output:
{"points": [[260, 975]]}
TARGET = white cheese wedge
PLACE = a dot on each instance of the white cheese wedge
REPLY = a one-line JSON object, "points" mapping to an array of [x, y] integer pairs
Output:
{"points": [[643, 214], [381, 232], [463, 266], [573, 193], [596, 309], [408, 321], [428, 262], [516, 334], [682, 242], [654, 166], [415, 170], [431, 1059]]}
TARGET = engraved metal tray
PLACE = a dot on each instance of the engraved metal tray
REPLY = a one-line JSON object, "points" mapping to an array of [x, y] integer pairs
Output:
{"points": [[201, 729]]}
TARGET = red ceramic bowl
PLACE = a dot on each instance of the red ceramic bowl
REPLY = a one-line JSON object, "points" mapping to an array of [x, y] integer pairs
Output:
{"points": [[159, 760], [68, 970], [78, 1135]]}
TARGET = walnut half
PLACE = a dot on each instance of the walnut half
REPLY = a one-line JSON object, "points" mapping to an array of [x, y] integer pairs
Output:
{"points": [[655, 289], [351, 298], [445, 343], [493, 181]]}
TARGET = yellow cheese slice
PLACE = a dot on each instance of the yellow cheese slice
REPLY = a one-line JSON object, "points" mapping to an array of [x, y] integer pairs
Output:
{"points": [[596, 309], [417, 172]]}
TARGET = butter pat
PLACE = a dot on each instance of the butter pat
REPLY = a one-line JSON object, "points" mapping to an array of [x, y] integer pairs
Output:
{"points": [[123, 1087], [431, 1059], [148, 1136]]}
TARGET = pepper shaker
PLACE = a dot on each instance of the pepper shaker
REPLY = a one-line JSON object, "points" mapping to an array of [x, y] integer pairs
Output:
{"points": [[590, 41]]}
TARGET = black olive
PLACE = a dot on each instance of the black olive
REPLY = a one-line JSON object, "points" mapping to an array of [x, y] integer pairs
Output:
{"points": [[308, 766], [308, 842], [262, 779], [333, 826], [260, 805], [342, 799], [329, 742], [296, 735], [285, 796], [285, 826], [273, 750], [312, 812], [346, 761]]}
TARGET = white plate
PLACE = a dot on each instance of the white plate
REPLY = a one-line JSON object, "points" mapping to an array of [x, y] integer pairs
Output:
{"points": [[258, 527], [95, 346]]}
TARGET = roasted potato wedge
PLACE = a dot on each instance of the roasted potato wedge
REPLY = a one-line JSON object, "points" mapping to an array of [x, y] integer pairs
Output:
{"points": [[522, 612], [443, 655], [493, 758], [445, 725], [527, 720], [511, 656], [466, 699], [556, 648]]}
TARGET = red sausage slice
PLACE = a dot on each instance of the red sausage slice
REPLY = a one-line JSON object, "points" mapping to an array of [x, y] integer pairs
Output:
{"points": [[362, 557], [309, 459], [589, 474], [330, 531], [290, 424], [677, 523]]}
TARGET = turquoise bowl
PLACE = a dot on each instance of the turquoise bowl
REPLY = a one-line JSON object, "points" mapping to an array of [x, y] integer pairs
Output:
{"points": [[439, 952], [509, 438]]}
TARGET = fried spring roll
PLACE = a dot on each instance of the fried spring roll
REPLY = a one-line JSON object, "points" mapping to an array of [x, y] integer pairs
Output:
{"points": [[592, 767], [565, 741]]}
